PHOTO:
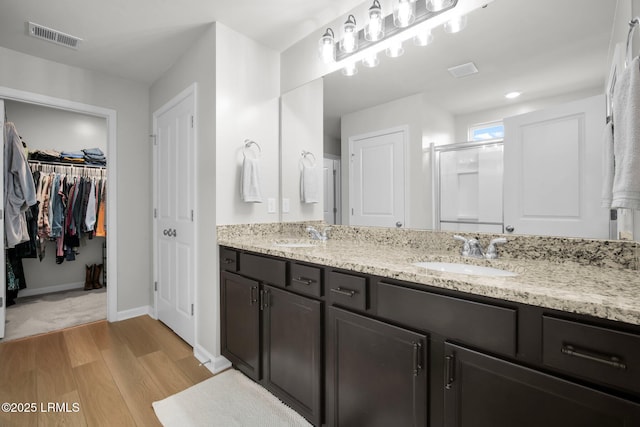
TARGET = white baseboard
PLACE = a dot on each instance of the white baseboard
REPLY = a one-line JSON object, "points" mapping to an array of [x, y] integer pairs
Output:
{"points": [[29, 292], [134, 312], [214, 364]]}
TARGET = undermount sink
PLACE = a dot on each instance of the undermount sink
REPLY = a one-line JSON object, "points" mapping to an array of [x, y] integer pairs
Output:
{"points": [[476, 270]]}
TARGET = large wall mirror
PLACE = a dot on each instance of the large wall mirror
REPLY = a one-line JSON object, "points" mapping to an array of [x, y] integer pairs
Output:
{"points": [[554, 53]]}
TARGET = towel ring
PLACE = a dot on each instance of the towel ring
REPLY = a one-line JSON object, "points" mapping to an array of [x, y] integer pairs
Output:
{"points": [[633, 24], [247, 144], [309, 155]]}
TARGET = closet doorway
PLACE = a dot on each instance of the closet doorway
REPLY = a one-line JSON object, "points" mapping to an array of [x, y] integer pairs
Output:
{"points": [[99, 253]]}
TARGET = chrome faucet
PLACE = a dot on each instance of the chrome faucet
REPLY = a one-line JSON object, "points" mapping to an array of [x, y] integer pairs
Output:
{"points": [[472, 248], [316, 235]]}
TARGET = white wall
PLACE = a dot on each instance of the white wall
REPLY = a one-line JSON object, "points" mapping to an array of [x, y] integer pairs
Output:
{"points": [[426, 123], [131, 101], [247, 107], [49, 128], [198, 64], [301, 129]]}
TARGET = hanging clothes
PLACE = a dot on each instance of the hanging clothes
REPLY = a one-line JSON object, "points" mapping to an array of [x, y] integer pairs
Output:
{"points": [[19, 188], [72, 198]]}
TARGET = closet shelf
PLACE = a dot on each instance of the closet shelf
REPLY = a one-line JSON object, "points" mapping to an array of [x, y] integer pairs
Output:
{"points": [[73, 165]]}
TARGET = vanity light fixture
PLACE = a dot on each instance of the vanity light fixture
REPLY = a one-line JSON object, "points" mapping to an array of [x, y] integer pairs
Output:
{"points": [[455, 24], [349, 42], [371, 61], [438, 5], [512, 95], [395, 49], [350, 69], [326, 47], [404, 13], [411, 19], [374, 30], [425, 38]]}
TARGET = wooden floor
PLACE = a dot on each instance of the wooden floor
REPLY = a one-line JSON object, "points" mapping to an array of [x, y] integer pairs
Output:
{"points": [[109, 372]]}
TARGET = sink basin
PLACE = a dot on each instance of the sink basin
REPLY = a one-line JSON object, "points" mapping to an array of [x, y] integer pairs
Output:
{"points": [[476, 270]]}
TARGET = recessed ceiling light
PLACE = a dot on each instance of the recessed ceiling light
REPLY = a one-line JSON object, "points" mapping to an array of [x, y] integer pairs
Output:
{"points": [[512, 95]]}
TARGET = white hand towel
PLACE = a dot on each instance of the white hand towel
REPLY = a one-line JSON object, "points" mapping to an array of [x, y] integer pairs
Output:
{"points": [[626, 138], [607, 165], [250, 181], [309, 184]]}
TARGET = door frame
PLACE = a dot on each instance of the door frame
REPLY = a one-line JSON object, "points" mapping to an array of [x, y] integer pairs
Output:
{"points": [[406, 138], [112, 187], [191, 90], [337, 182]]}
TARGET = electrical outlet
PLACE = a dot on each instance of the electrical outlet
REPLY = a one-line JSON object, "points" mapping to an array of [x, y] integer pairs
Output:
{"points": [[285, 205], [271, 205]]}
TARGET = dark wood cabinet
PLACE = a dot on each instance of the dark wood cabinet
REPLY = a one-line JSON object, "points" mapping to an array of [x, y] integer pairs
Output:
{"points": [[484, 391], [240, 323], [376, 373], [292, 350], [272, 335], [346, 348]]}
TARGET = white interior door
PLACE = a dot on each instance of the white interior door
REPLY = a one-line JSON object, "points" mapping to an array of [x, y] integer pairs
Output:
{"points": [[3, 293], [376, 184], [175, 181], [553, 171]]}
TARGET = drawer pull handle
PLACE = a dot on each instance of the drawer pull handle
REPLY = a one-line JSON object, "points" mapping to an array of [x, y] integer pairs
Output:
{"points": [[346, 292], [612, 361], [302, 280], [229, 261]]}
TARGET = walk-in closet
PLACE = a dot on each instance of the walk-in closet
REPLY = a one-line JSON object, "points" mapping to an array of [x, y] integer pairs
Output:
{"points": [[60, 273]]}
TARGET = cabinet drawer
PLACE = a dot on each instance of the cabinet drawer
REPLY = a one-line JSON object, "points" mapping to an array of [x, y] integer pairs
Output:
{"points": [[603, 355], [348, 290], [268, 270], [228, 259], [486, 326], [306, 280]]}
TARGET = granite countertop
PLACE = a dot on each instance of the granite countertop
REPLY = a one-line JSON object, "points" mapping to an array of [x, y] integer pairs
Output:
{"points": [[603, 292]]}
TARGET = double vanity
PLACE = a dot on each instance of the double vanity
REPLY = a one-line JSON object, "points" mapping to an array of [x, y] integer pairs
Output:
{"points": [[379, 327]]}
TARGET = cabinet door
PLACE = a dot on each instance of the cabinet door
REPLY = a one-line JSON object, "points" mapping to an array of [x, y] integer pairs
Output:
{"points": [[240, 323], [376, 373], [292, 350], [482, 391]]}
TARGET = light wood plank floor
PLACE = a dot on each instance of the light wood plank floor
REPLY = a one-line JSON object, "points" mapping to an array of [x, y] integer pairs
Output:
{"points": [[100, 374]]}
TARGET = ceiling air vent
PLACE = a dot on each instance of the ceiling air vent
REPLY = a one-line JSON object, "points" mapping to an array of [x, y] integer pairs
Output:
{"points": [[463, 70], [54, 36]]}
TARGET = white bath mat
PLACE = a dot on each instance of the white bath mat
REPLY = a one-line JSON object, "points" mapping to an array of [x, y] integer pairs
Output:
{"points": [[229, 399]]}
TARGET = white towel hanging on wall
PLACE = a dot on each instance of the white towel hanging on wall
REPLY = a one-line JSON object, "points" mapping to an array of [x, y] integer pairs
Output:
{"points": [[309, 179], [250, 189], [626, 138]]}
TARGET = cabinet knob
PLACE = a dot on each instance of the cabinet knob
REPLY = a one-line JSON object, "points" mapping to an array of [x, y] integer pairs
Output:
{"points": [[509, 229]]}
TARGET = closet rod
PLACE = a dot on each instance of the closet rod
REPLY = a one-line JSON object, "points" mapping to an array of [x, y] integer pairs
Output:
{"points": [[41, 162]]}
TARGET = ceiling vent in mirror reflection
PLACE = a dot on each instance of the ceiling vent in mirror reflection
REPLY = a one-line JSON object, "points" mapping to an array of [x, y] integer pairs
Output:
{"points": [[463, 70]]}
